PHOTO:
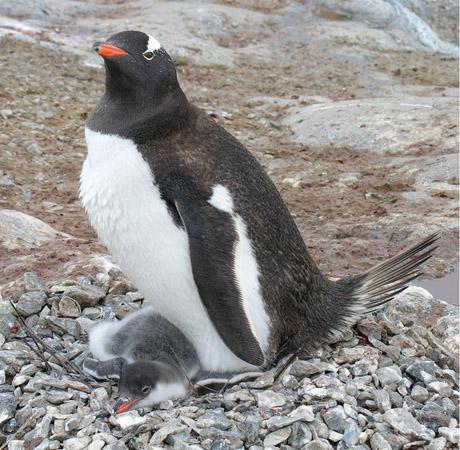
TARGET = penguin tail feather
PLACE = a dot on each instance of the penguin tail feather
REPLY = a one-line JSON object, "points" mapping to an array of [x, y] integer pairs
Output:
{"points": [[373, 289]]}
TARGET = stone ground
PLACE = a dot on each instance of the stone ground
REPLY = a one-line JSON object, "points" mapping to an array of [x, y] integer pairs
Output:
{"points": [[351, 107]]}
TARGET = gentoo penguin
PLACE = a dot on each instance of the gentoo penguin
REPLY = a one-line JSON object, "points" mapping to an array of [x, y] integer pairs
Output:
{"points": [[151, 359], [201, 230]]}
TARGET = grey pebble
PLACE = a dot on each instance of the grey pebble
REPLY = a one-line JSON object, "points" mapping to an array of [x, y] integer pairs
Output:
{"points": [[318, 444], [351, 433], [306, 368], [215, 418], [31, 303], [300, 435], [389, 375], [7, 406], [85, 295], [378, 442], [335, 418], [64, 326]]}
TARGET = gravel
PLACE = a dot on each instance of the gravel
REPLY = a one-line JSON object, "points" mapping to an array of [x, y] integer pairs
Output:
{"points": [[363, 393]]}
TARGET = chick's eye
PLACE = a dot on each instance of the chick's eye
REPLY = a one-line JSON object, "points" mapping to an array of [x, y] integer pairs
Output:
{"points": [[145, 389], [148, 55]]}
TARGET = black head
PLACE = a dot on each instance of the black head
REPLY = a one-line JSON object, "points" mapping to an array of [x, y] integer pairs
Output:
{"points": [[136, 64], [142, 95]]}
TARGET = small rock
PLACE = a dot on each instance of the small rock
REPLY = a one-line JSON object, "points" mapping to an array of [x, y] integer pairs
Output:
{"points": [[378, 442], [419, 394], [64, 326], [85, 323], [335, 437], [250, 430], [403, 422], [425, 370], [165, 431], [7, 406], [300, 435], [177, 439], [135, 296], [437, 444], [451, 434], [92, 313], [116, 446], [68, 307], [318, 444], [307, 368], [278, 422], [382, 399], [264, 381], [441, 387], [96, 445], [57, 397], [269, 399], [85, 295], [389, 375], [120, 287], [277, 437], [130, 419], [303, 412], [41, 430], [319, 429], [19, 380], [335, 419], [76, 443], [290, 382], [233, 439], [351, 433], [220, 444], [16, 444], [31, 303], [215, 418], [434, 416]]}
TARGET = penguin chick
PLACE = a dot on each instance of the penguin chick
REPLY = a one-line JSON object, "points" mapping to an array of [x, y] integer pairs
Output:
{"points": [[151, 358], [143, 335]]}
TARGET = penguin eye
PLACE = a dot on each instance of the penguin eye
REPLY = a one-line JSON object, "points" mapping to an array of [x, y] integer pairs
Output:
{"points": [[145, 389], [148, 55]]}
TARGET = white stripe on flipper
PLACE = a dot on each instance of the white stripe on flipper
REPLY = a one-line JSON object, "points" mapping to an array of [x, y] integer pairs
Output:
{"points": [[246, 269]]}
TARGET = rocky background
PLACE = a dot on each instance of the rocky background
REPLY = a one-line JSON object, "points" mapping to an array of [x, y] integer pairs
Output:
{"points": [[352, 108]]}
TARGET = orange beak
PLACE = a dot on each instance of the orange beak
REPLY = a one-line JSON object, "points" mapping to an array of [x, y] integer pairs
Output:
{"points": [[122, 406], [109, 51]]}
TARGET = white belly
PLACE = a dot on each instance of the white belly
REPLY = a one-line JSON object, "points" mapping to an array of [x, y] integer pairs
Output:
{"points": [[124, 206]]}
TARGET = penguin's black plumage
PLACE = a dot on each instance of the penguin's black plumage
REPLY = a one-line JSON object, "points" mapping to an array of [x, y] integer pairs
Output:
{"points": [[195, 222]]}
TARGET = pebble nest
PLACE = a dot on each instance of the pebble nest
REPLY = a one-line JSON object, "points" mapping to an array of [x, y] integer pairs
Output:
{"points": [[390, 383]]}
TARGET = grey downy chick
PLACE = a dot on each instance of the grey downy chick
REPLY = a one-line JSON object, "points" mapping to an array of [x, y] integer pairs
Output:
{"points": [[150, 357]]}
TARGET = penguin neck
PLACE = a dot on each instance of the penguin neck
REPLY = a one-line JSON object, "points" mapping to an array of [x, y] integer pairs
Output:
{"points": [[140, 114]]}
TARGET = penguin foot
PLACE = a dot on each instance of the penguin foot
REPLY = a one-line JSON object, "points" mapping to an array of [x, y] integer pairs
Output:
{"points": [[208, 382]]}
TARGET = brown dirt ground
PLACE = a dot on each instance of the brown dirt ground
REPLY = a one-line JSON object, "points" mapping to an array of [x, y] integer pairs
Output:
{"points": [[50, 94]]}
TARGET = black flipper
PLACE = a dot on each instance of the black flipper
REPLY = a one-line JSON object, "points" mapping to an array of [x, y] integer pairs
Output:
{"points": [[212, 239], [103, 370]]}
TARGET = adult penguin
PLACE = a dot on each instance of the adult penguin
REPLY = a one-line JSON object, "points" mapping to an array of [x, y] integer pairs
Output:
{"points": [[197, 225]]}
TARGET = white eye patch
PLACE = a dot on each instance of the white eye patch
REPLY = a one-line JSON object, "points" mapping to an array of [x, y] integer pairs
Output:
{"points": [[152, 46]]}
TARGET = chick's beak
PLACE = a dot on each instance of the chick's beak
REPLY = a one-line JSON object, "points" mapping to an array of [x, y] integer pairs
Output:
{"points": [[122, 405], [108, 50]]}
